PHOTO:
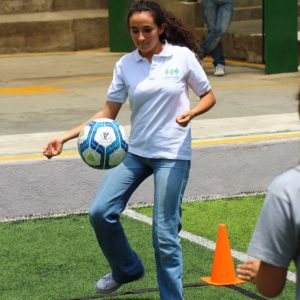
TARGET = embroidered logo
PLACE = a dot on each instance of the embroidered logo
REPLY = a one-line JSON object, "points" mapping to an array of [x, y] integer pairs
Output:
{"points": [[171, 74]]}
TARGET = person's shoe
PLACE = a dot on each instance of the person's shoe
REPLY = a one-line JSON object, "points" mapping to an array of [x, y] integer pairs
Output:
{"points": [[107, 284], [219, 70]]}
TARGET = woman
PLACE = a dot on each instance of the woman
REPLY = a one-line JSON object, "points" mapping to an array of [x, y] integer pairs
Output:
{"points": [[155, 77]]}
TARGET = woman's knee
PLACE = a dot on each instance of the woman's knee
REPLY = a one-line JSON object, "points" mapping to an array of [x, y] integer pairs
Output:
{"points": [[97, 214], [165, 243]]}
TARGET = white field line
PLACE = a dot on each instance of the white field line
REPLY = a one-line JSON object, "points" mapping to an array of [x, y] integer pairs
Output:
{"points": [[142, 218], [198, 240]]}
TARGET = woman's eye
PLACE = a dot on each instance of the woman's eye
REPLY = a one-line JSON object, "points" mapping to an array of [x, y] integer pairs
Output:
{"points": [[143, 30], [147, 30]]}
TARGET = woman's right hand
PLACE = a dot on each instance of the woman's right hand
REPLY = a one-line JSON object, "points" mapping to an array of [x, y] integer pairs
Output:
{"points": [[53, 148]]}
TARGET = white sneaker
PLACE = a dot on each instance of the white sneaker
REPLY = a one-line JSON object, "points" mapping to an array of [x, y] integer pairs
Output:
{"points": [[107, 284], [219, 70]]}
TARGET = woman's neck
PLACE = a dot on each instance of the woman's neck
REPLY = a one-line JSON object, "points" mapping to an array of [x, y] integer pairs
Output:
{"points": [[158, 49]]}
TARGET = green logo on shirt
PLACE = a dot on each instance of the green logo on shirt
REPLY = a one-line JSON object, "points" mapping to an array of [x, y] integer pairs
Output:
{"points": [[171, 74]]}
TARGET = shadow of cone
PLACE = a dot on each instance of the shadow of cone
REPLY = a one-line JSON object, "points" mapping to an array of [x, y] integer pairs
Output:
{"points": [[223, 268]]}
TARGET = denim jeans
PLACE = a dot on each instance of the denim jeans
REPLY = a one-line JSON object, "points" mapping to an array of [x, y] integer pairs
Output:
{"points": [[170, 178], [217, 17]]}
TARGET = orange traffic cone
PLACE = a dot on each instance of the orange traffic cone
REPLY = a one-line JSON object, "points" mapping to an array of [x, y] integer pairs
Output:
{"points": [[223, 268]]}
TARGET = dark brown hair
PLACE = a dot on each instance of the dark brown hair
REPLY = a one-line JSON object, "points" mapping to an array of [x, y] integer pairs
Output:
{"points": [[174, 31]]}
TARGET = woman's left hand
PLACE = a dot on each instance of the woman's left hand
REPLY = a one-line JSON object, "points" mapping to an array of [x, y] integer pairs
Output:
{"points": [[248, 270], [184, 119], [206, 102]]}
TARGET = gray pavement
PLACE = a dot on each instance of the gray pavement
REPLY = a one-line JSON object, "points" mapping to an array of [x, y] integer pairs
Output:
{"points": [[39, 187], [53, 92], [247, 135]]}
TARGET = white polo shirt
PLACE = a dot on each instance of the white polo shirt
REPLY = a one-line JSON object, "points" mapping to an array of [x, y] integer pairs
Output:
{"points": [[158, 93]]}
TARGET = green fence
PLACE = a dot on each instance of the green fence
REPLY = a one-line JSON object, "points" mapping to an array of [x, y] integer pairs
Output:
{"points": [[280, 36], [119, 37]]}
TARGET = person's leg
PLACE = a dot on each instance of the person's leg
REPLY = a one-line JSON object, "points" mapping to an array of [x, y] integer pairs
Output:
{"points": [[224, 16], [217, 15], [170, 178], [210, 19], [111, 199]]}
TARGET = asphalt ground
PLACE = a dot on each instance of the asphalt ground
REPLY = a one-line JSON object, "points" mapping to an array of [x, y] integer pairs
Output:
{"points": [[42, 95]]}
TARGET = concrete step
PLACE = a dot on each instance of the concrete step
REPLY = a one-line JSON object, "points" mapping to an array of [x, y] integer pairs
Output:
{"points": [[54, 31], [244, 13], [242, 3], [79, 4], [247, 13], [244, 41], [30, 6]]}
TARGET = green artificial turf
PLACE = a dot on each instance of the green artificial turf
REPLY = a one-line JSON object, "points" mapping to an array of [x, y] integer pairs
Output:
{"points": [[203, 218], [58, 258]]}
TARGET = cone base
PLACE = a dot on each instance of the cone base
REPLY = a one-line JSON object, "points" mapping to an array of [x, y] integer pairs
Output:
{"points": [[209, 281]]}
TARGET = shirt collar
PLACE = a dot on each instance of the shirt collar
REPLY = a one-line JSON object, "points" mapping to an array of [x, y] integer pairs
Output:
{"points": [[166, 52]]}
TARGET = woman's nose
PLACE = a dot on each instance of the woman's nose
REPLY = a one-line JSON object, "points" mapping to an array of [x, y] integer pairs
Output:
{"points": [[141, 36]]}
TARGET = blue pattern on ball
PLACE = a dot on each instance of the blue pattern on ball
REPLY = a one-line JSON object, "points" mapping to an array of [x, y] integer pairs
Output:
{"points": [[102, 144]]}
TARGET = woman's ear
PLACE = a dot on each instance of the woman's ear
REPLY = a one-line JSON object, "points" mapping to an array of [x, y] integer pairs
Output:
{"points": [[161, 29]]}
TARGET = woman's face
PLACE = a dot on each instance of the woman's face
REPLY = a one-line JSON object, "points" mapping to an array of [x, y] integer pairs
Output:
{"points": [[145, 33]]}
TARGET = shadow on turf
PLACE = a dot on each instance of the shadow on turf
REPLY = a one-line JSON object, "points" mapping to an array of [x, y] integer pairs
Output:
{"points": [[151, 290]]}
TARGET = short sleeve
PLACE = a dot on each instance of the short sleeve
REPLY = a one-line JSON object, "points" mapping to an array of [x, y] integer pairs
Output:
{"points": [[117, 91], [196, 78], [274, 240]]}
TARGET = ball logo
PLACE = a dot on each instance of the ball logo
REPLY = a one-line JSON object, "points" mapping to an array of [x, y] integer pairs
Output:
{"points": [[102, 144], [106, 136]]}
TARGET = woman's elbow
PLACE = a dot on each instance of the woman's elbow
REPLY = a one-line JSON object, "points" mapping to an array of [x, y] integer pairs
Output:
{"points": [[270, 292], [270, 280]]}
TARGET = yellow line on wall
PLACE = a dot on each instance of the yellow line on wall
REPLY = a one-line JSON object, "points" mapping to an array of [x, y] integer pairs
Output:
{"points": [[24, 90], [254, 85], [239, 63], [195, 143], [29, 90], [35, 156], [246, 139]]}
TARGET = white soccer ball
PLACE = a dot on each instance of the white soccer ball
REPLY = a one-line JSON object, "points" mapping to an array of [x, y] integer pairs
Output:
{"points": [[102, 143]]}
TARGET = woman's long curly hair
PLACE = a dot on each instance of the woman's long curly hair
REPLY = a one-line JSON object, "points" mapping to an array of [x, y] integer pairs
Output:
{"points": [[174, 31]]}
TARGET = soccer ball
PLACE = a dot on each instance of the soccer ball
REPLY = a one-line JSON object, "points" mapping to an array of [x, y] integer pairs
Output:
{"points": [[102, 144]]}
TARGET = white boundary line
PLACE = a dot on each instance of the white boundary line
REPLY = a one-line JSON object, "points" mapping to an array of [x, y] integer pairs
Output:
{"points": [[198, 240], [142, 218]]}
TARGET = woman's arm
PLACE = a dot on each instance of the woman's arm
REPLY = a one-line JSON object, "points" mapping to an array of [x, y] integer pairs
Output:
{"points": [[207, 101], [55, 146], [269, 280]]}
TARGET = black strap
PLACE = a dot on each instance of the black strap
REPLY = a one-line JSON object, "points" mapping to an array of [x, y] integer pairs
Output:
{"points": [[151, 290], [245, 292]]}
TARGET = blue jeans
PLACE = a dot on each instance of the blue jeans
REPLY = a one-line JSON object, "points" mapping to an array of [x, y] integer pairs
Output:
{"points": [[170, 178], [217, 17]]}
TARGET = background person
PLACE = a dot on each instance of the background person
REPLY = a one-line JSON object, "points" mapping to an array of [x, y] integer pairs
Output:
{"points": [[217, 18], [276, 239], [155, 77]]}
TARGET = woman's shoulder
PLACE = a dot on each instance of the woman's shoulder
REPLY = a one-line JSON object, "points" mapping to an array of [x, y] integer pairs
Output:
{"points": [[181, 49], [127, 58], [182, 52]]}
